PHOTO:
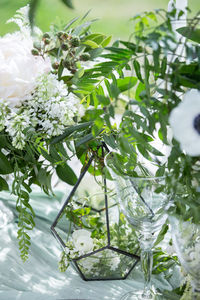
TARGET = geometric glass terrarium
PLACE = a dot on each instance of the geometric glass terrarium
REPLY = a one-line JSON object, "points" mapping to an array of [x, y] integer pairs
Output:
{"points": [[94, 235]]}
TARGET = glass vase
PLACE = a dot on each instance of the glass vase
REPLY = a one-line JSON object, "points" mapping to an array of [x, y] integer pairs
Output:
{"points": [[186, 240], [143, 201]]}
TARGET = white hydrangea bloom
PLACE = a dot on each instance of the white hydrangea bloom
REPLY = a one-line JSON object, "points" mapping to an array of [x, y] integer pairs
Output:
{"points": [[185, 123]]}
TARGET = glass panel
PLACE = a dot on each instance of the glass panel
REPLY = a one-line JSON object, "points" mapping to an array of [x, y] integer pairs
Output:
{"points": [[106, 264]]}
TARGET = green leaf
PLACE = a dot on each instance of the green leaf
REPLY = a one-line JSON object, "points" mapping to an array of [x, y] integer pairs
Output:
{"points": [[5, 165], [161, 171], [60, 70], [45, 154], [110, 141], [3, 184], [190, 33], [86, 14], [3, 141], [95, 37], [68, 3], [135, 48], [147, 68], [66, 174], [169, 295], [139, 90], [44, 180], [115, 91], [156, 59], [27, 187], [106, 41], [70, 23], [124, 53], [54, 153], [143, 151], [90, 43], [161, 234], [137, 70], [61, 150], [126, 83], [85, 139], [164, 66], [107, 84], [69, 131], [79, 73], [103, 100]]}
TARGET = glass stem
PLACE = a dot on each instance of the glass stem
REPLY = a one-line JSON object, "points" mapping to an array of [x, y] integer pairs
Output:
{"points": [[147, 264]]}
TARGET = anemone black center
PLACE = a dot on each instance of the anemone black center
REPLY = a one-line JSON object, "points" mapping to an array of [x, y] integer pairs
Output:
{"points": [[197, 123]]}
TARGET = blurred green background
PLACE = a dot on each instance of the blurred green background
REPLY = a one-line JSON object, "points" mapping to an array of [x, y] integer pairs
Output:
{"points": [[113, 15]]}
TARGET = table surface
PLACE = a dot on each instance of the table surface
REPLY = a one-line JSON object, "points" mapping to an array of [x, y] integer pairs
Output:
{"points": [[39, 277]]}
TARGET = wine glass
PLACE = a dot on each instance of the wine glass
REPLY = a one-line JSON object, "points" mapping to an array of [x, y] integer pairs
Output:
{"points": [[186, 240], [143, 201]]}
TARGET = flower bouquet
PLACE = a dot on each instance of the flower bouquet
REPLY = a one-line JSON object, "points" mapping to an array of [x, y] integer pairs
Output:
{"points": [[40, 105]]}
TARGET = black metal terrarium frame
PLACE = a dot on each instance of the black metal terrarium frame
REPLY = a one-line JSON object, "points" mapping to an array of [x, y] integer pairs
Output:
{"points": [[74, 261]]}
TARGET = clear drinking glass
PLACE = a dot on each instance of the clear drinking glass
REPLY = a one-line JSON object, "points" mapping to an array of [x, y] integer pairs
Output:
{"points": [[143, 202], [186, 240]]}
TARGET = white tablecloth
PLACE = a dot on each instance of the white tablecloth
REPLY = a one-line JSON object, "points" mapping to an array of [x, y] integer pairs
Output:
{"points": [[39, 277]]}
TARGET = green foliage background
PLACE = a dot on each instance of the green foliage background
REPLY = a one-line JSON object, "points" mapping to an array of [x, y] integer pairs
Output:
{"points": [[113, 15]]}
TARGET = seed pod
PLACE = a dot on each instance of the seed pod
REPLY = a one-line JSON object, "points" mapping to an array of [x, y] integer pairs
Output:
{"points": [[35, 52], [46, 36], [47, 41], [55, 65], [67, 63], [73, 71], [64, 36], [75, 41], [85, 56], [59, 34], [64, 47]]}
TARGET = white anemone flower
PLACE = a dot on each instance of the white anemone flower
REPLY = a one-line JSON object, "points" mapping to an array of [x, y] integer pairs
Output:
{"points": [[82, 240], [185, 123]]}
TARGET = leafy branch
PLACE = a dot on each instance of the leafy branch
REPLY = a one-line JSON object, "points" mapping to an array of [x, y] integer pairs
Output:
{"points": [[26, 213]]}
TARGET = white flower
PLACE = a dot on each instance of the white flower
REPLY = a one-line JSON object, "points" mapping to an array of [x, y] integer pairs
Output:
{"points": [[82, 241], [185, 123], [52, 105], [19, 68], [15, 125], [114, 263], [88, 263]]}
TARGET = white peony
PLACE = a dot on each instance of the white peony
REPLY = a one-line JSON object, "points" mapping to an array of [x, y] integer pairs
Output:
{"points": [[19, 68], [82, 241], [185, 123]]}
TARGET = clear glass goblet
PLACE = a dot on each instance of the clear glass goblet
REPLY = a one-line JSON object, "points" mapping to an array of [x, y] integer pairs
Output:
{"points": [[186, 240], [143, 202]]}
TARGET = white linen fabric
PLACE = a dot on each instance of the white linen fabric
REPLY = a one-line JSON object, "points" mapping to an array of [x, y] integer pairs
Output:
{"points": [[39, 277]]}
